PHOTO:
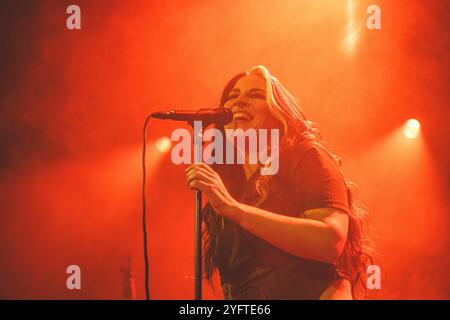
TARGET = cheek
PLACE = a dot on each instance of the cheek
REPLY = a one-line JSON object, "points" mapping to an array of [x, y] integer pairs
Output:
{"points": [[262, 111], [261, 107]]}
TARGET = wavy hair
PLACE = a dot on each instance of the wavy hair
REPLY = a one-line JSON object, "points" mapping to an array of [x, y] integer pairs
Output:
{"points": [[296, 129]]}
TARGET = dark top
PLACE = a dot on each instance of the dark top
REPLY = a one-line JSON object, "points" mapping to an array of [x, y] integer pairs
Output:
{"points": [[308, 178]]}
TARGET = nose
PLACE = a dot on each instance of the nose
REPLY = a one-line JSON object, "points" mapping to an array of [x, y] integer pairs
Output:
{"points": [[240, 104]]}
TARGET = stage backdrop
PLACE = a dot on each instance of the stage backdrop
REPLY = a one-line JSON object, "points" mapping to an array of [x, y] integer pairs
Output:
{"points": [[73, 103]]}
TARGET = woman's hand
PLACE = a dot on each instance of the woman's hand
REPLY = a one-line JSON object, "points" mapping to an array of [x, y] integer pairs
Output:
{"points": [[202, 177]]}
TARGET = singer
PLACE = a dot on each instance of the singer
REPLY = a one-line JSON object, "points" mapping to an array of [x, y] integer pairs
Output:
{"points": [[298, 234]]}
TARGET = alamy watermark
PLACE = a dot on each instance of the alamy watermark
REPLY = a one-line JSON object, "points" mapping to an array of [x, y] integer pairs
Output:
{"points": [[73, 282], [214, 152], [73, 21]]}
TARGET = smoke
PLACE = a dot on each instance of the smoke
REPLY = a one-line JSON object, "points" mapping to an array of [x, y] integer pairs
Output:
{"points": [[73, 105]]}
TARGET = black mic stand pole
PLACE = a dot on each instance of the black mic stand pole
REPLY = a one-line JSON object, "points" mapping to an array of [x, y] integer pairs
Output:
{"points": [[198, 126], [198, 144]]}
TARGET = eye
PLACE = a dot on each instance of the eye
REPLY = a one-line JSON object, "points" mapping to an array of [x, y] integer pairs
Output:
{"points": [[232, 96], [258, 95]]}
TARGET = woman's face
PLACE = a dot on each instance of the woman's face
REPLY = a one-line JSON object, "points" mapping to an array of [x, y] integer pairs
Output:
{"points": [[247, 102]]}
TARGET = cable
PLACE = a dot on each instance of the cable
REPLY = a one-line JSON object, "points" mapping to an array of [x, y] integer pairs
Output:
{"points": [[144, 216]]}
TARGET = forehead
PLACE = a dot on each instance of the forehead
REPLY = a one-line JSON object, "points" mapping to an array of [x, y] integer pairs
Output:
{"points": [[250, 82]]}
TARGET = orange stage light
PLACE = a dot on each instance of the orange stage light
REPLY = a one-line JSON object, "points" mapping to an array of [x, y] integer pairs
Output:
{"points": [[411, 129], [163, 144]]}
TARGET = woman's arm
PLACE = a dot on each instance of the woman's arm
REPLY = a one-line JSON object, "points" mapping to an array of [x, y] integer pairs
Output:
{"points": [[319, 236]]}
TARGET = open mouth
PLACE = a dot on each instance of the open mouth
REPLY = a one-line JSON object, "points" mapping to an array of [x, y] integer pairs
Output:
{"points": [[242, 116]]}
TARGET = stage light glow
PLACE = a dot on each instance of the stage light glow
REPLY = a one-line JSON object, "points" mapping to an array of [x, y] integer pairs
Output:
{"points": [[411, 129], [163, 144], [352, 31]]}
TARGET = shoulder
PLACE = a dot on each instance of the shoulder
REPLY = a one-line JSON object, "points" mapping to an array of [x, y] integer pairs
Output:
{"points": [[317, 178], [309, 155]]}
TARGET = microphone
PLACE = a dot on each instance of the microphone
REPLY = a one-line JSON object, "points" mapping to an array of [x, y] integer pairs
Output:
{"points": [[206, 115]]}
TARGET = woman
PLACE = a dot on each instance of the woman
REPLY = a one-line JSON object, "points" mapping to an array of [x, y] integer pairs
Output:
{"points": [[294, 235]]}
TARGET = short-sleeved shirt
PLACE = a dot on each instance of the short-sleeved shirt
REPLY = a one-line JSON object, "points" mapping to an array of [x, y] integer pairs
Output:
{"points": [[308, 178]]}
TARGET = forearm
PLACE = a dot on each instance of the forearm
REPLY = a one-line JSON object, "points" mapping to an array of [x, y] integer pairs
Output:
{"points": [[306, 238]]}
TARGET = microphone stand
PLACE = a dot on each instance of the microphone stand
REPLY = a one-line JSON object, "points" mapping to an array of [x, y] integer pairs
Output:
{"points": [[198, 148], [205, 117]]}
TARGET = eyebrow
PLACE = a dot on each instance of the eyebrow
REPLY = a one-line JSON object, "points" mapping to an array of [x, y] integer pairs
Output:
{"points": [[251, 90], [256, 89]]}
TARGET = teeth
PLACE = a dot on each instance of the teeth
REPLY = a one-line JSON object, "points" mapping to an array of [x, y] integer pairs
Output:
{"points": [[242, 116]]}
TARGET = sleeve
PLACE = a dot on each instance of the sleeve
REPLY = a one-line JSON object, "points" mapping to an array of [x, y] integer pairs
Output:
{"points": [[319, 182]]}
